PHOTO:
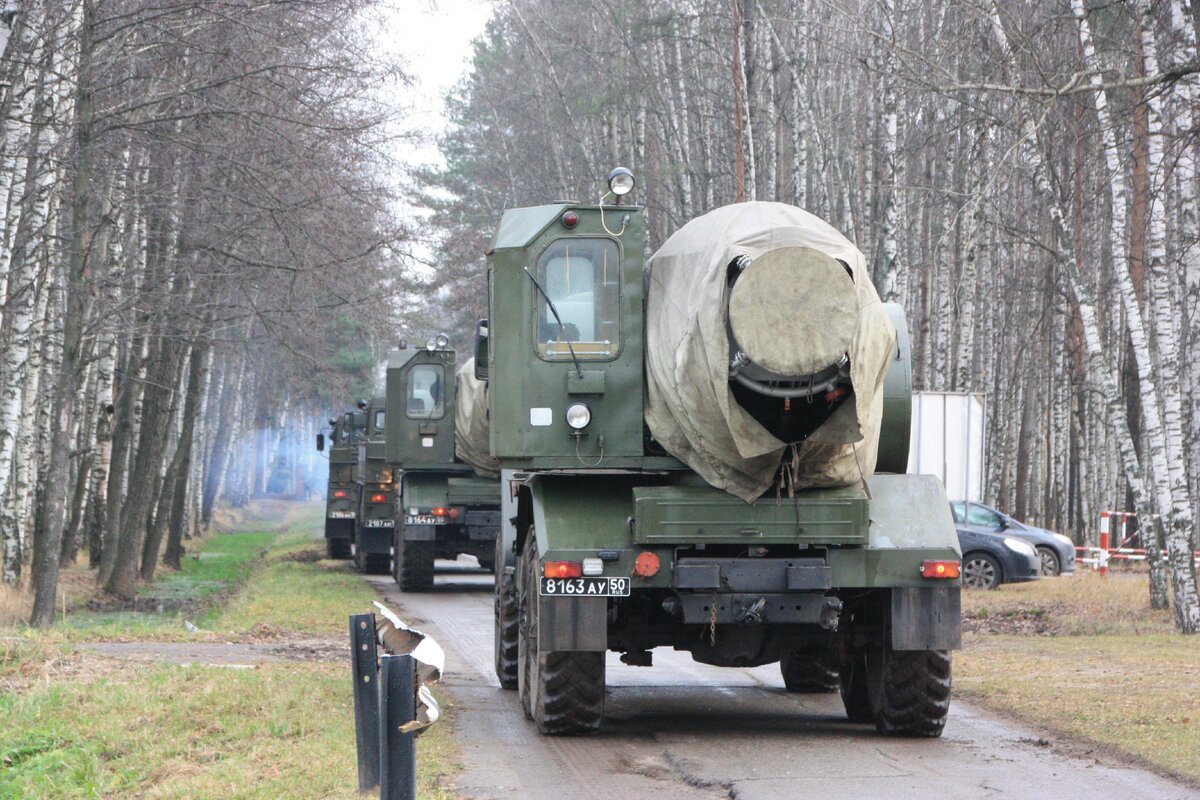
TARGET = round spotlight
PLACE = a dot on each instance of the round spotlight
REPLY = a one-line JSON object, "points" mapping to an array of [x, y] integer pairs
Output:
{"points": [[620, 181], [362, 405], [442, 340], [431, 345], [578, 416]]}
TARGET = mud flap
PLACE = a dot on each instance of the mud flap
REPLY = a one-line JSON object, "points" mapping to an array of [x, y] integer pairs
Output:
{"points": [[926, 618], [419, 533], [572, 623]]}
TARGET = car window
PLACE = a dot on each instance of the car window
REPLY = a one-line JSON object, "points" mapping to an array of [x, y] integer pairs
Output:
{"points": [[981, 517], [957, 510]]}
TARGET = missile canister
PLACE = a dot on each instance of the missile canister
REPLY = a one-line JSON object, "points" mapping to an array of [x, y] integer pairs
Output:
{"points": [[766, 351]]}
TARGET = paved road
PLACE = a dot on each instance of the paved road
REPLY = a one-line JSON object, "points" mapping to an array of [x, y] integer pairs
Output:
{"points": [[686, 731]]}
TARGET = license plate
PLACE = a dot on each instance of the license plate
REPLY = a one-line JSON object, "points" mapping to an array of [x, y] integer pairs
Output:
{"points": [[585, 587], [423, 519], [377, 523], [341, 515]]}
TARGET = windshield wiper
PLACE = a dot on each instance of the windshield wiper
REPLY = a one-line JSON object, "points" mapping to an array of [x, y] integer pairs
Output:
{"points": [[562, 329]]}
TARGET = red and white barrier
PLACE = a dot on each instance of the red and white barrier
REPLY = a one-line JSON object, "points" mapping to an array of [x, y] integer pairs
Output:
{"points": [[1099, 557]]}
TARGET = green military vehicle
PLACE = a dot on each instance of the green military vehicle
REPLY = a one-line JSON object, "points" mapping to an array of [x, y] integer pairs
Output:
{"points": [[376, 495], [341, 499], [695, 455], [445, 508]]}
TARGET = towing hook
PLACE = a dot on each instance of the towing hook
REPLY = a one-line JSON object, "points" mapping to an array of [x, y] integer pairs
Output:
{"points": [[753, 614], [831, 610]]}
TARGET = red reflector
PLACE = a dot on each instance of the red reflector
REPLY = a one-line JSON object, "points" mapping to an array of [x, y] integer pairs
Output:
{"points": [[939, 569], [562, 569], [647, 564], [453, 513], [439, 512], [339, 494], [379, 498]]}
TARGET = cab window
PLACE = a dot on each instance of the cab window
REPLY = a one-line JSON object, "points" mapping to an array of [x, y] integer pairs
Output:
{"points": [[426, 394], [582, 278], [380, 417]]}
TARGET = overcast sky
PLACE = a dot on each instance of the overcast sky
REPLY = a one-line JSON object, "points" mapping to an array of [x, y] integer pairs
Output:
{"points": [[434, 38]]}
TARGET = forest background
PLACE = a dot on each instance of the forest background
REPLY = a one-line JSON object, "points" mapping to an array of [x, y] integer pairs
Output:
{"points": [[201, 256]]}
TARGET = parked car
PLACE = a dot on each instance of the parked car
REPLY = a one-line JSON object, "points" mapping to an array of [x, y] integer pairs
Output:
{"points": [[1056, 552], [990, 559]]}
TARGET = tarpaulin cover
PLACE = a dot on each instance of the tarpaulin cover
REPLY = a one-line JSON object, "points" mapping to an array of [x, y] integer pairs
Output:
{"points": [[471, 423], [801, 316]]}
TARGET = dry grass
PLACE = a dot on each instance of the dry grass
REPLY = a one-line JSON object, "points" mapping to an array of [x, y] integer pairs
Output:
{"points": [[1087, 659], [1081, 605]]}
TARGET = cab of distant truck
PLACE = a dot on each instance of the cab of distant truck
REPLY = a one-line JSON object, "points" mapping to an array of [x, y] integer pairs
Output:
{"points": [[373, 478]]}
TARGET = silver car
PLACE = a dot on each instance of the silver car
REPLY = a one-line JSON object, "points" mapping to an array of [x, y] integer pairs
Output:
{"points": [[1056, 552]]}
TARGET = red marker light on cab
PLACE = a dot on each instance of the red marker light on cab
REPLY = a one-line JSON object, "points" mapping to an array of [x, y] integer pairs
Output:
{"points": [[570, 219]]}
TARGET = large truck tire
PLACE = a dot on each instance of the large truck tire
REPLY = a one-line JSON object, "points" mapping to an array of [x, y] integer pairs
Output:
{"points": [[508, 631], [337, 548], [562, 692], [913, 696], [805, 671], [414, 565], [373, 563], [852, 683]]}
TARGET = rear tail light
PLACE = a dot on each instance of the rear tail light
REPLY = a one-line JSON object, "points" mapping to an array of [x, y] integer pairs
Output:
{"points": [[379, 497], [339, 494], [439, 512], [562, 569], [939, 569]]}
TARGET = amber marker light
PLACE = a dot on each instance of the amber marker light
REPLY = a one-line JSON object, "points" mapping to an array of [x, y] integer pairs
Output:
{"points": [[646, 565], [939, 569], [562, 569]]}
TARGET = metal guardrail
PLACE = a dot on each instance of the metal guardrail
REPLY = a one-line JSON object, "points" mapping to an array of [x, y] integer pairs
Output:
{"points": [[385, 691]]}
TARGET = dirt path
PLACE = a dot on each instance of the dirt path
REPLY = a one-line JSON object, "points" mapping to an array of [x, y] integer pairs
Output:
{"points": [[685, 731], [230, 654]]}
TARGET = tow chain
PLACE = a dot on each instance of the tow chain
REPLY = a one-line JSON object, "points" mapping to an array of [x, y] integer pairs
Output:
{"points": [[712, 621]]}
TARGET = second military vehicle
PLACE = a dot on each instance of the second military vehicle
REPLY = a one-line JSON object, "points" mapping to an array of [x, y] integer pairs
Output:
{"points": [[341, 499], [444, 508], [376, 495], [694, 449]]}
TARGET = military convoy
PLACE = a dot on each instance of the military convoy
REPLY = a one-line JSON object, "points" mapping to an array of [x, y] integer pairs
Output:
{"points": [[342, 496], [444, 508], [706, 452], [376, 495]]}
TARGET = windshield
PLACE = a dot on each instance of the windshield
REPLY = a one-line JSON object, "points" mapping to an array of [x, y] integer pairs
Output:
{"points": [[582, 278], [425, 392]]}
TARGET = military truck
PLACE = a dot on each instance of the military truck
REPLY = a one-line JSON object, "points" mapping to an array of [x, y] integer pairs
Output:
{"points": [[706, 452], [341, 499], [376, 494], [444, 507]]}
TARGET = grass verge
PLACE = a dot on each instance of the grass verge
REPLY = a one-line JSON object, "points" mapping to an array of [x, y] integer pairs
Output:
{"points": [[78, 724], [1087, 659]]}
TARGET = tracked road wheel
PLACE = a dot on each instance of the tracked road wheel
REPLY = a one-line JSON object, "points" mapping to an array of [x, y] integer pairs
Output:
{"points": [[414, 565], [809, 672]]}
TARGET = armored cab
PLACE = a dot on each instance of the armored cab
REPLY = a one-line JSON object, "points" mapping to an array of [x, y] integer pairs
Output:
{"points": [[706, 452], [341, 500], [444, 508], [376, 494]]}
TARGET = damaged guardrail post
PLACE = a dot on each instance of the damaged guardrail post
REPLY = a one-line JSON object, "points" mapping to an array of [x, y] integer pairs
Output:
{"points": [[392, 703], [366, 699], [397, 744]]}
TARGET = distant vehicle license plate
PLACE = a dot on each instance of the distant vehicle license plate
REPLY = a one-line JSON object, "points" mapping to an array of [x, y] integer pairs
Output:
{"points": [[586, 587], [424, 519], [341, 515], [377, 523]]}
